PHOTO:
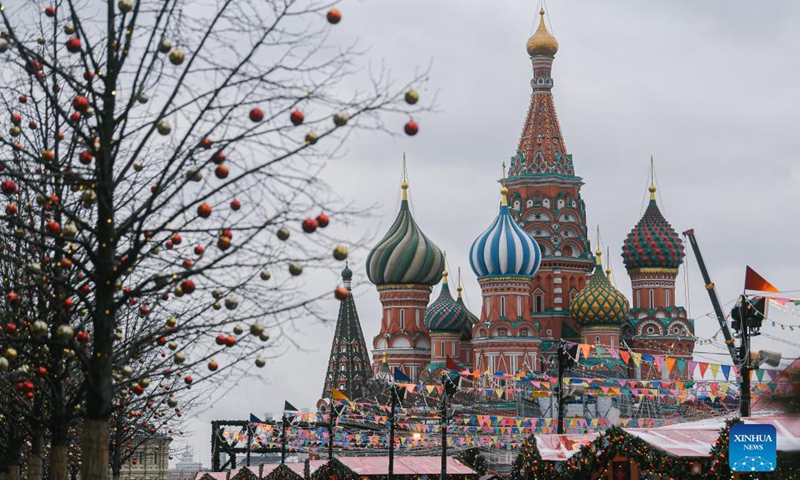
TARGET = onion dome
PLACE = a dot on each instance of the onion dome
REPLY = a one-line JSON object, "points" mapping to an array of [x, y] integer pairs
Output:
{"points": [[405, 255], [471, 321], [347, 274], [542, 43], [652, 243], [505, 248], [445, 314], [599, 303]]}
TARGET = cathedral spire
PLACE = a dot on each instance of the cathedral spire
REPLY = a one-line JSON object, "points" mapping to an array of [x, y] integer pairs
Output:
{"points": [[349, 365]]}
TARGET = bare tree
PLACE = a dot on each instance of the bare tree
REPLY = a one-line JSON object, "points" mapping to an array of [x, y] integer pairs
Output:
{"points": [[173, 151]]}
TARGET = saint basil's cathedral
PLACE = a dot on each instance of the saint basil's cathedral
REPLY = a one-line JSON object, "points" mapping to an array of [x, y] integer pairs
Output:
{"points": [[540, 281]]}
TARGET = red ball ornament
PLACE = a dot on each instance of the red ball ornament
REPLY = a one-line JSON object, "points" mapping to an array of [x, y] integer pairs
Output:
{"points": [[297, 117], [23, 99], [80, 103], [52, 227], [206, 143], [220, 340], [411, 128], [310, 225], [204, 210], [11, 209], [199, 250], [218, 157], [85, 158], [75, 117], [334, 16], [230, 341], [341, 293], [16, 118], [256, 115], [33, 125], [235, 204], [213, 366], [50, 11], [188, 380], [82, 337], [176, 239], [9, 187], [221, 171], [227, 233], [67, 303], [74, 45], [188, 286], [323, 220], [42, 371], [88, 75]]}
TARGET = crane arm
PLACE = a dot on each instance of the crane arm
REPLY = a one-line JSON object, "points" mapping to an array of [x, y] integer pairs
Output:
{"points": [[712, 293]]}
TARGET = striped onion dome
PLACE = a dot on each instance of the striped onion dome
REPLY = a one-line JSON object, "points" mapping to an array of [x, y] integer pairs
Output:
{"points": [[405, 255], [505, 248], [472, 319], [599, 303], [652, 243], [445, 314]]}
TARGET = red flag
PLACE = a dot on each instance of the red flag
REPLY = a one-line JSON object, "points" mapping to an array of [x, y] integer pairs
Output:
{"points": [[754, 281], [450, 364]]}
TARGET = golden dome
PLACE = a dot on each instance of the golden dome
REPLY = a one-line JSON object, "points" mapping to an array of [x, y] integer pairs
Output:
{"points": [[541, 42]]}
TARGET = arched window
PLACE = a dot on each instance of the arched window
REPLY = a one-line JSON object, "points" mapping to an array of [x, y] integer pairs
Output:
{"points": [[539, 304], [523, 332], [502, 332], [666, 294], [502, 306], [652, 299], [402, 319]]}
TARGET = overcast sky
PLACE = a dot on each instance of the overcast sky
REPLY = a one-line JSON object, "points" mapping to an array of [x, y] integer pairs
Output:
{"points": [[710, 89]]}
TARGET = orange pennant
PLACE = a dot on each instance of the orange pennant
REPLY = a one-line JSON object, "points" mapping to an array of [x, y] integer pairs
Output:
{"points": [[585, 349], [625, 356]]}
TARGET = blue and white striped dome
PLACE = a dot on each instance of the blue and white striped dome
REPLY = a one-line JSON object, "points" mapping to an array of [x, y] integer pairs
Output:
{"points": [[505, 248]]}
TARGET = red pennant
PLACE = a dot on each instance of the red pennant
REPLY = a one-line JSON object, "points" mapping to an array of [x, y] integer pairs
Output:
{"points": [[754, 281]]}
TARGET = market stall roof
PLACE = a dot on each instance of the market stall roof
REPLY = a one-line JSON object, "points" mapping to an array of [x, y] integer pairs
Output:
{"points": [[559, 448], [368, 466]]}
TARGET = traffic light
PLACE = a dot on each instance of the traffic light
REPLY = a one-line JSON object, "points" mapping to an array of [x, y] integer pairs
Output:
{"points": [[749, 312]]}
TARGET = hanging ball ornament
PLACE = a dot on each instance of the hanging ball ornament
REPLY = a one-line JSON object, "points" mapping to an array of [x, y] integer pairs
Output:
{"points": [[80, 103], [69, 28], [164, 127], [412, 97], [142, 98], [323, 220], [3, 364], [176, 57], [164, 46], [231, 303], [213, 366], [310, 225], [311, 138], [256, 115], [235, 205], [341, 293], [265, 275], [334, 16], [260, 362], [340, 119], [3, 45], [204, 210], [411, 128], [74, 45], [125, 6], [50, 11], [10, 354], [297, 118], [295, 269], [283, 234], [221, 171], [179, 358], [340, 252], [171, 402], [256, 329]]}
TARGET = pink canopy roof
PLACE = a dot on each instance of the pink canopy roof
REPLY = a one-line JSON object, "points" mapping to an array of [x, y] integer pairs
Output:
{"points": [[558, 448]]}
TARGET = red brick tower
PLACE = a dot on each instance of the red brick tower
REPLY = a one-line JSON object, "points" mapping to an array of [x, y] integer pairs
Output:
{"points": [[652, 253], [404, 266], [544, 197]]}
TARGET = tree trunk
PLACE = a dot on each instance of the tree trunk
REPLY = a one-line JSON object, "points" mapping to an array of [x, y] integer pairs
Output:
{"points": [[59, 459], [94, 450], [13, 472], [117, 476], [36, 460]]}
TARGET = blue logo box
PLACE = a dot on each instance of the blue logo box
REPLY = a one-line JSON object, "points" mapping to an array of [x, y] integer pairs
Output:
{"points": [[753, 448]]}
